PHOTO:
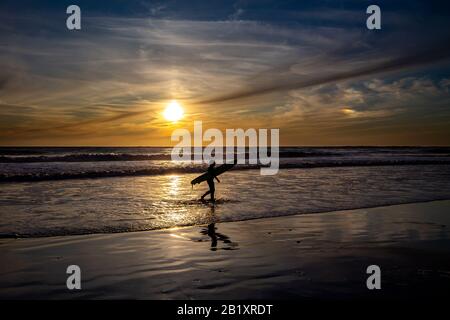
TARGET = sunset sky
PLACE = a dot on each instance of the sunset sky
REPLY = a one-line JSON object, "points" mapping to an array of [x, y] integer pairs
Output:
{"points": [[310, 68]]}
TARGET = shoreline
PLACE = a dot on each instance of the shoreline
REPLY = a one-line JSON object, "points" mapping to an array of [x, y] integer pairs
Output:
{"points": [[17, 236], [306, 256]]}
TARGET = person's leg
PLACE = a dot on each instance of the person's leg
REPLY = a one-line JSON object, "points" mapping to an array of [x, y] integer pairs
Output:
{"points": [[211, 189], [206, 193]]}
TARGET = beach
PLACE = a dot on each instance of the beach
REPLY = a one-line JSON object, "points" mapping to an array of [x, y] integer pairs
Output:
{"points": [[224, 150], [306, 256]]}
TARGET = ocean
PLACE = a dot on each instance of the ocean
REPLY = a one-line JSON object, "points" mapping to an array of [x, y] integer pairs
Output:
{"points": [[52, 191]]}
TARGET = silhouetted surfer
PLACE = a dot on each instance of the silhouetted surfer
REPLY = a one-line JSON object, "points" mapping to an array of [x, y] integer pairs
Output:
{"points": [[211, 176]]}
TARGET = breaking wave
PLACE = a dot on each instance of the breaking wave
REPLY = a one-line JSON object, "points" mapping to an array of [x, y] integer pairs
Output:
{"points": [[81, 173]]}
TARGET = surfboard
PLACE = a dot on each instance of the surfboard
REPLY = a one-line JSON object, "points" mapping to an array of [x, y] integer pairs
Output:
{"points": [[217, 171]]}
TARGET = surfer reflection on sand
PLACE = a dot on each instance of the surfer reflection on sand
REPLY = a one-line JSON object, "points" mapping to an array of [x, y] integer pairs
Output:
{"points": [[216, 236], [210, 231]]}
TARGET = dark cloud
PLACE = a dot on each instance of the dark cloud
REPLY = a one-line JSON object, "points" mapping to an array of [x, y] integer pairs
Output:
{"points": [[87, 123], [432, 54], [4, 79]]}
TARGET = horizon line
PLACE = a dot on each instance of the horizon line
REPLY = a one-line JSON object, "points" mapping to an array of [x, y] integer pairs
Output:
{"points": [[224, 146]]}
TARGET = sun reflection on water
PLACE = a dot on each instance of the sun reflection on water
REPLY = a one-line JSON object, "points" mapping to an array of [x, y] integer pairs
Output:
{"points": [[174, 185]]}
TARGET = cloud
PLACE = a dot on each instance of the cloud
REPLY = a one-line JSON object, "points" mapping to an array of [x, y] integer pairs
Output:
{"points": [[339, 106], [236, 14], [431, 55], [3, 81]]}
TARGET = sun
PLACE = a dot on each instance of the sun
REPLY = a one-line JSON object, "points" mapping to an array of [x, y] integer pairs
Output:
{"points": [[173, 111]]}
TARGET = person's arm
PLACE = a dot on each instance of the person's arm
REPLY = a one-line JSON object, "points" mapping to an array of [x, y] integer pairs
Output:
{"points": [[217, 179]]}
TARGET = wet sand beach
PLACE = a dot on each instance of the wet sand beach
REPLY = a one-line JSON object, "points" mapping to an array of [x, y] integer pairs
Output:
{"points": [[307, 256]]}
